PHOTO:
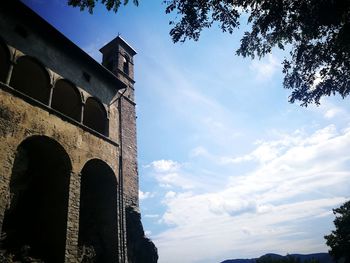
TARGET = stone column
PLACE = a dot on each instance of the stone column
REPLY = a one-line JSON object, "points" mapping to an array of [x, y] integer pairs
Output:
{"points": [[71, 253], [5, 195], [82, 112], [9, 73], [51, 87]]}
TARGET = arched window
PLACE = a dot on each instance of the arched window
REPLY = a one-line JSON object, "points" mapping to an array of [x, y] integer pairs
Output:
{"points": [[4, 61], [95, 116], [66, 99], [98, 211], [37, 216], [126, 61], [31, 78]]}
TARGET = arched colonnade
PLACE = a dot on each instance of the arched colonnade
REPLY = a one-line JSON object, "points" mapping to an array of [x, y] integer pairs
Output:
{"points": [[30, 77], [37, 213]]}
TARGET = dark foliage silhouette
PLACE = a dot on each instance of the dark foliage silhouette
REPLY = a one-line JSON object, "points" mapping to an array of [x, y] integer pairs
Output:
{"points": [[339, 239]]}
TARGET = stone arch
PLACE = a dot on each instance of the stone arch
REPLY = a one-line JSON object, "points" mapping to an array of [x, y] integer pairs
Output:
{"points": [[35, 222], [95, 116], [31, 77], [4, 60], [98, 225], [66, 98]]}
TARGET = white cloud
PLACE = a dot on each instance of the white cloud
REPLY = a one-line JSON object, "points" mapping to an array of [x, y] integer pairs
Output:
{"points": [[199, 151], [330, 111], [164, 166], [266, 68], [145, 195], [151, 216], [170, 194], [148, 233], [333, 112], [265, 152], [277, 206], [169, 174]]}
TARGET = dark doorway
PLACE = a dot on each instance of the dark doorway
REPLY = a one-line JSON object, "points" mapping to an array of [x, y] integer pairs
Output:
{"points": [[31, 78], [98, 211], [36, 221]]}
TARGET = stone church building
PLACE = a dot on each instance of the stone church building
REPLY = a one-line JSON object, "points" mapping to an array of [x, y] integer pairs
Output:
{"points": [[68, 155]]}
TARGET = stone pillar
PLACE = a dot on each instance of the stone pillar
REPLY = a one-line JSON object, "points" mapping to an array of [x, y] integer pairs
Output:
{"points": [[51, 87], [71, 253], [5, 195], [82, 112], [9, 73], [123, 257], [130, 179]]}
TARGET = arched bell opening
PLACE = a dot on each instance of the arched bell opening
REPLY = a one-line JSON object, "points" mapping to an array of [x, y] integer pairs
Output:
{"points": [[98, 228], [36, 221]]}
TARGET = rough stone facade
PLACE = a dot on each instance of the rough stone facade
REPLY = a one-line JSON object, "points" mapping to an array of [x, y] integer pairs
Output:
{"points": [[68, 173]]}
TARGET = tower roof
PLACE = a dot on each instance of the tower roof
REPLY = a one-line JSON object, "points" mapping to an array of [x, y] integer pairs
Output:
{"points": [[118, 41]]}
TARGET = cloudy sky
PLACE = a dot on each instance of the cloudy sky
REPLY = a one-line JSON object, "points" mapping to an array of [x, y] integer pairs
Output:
{"points": [[228, 168]]}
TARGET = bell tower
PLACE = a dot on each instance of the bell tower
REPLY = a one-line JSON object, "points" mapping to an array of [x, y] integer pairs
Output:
{"points": [[118, 58]]}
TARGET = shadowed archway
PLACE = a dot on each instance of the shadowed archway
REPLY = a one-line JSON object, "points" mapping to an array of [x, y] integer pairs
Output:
{"points": [[31, 78], [36, 219], [4, 61], [66, 99], [95, 116], [98, 211]]}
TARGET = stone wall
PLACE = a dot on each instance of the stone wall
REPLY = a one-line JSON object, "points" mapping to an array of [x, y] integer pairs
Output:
{"points": [[129, 152], [17, 123]]}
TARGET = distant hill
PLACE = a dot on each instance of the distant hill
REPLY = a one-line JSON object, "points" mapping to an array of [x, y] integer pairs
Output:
{"points": [[321, 257]]}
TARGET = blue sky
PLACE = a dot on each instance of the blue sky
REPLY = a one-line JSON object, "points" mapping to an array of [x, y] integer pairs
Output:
{"points": [[228, 168]]}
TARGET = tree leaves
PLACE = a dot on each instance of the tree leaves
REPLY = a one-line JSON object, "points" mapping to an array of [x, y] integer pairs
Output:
{"points": [[339, 239], [90, 4], [317, 30]]}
